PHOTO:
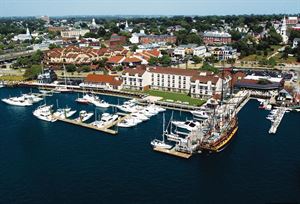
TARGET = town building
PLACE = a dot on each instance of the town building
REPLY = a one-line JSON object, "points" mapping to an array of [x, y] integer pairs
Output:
{"points": [[147, 39], [223, 52], [292, 20], [100, 81], [74, 34], [75, 55], [136, 79], [23, 37], [117, 41], [198, 84], [48, 76], [200, 51], [183, 50], [296, 42], [216, 37], [207, 85], [56, 29], [135, 37]]}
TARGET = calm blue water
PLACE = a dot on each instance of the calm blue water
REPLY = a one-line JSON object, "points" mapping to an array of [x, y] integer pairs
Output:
{"points": [[44, 162]]}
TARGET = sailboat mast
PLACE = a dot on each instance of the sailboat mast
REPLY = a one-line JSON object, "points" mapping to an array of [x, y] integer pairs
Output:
{"points": [[163, 127], [65, 75]]}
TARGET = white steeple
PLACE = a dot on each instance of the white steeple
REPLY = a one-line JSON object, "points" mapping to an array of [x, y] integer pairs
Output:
{"points": [[126, 24], [283, 31], [94, 22], [27, 31]]}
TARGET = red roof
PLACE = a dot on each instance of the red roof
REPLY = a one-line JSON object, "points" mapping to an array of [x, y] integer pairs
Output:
{"points": [[99, 78], [132, 71], [115, 59], [131, 60], [204, 79]]}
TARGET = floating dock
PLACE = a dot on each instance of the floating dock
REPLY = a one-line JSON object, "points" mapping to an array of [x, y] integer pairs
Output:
{"points": [[105, 129], [173, 152], [277, 121]]}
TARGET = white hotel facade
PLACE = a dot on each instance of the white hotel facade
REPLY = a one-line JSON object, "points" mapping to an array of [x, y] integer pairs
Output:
{"points": [[197, 84]]}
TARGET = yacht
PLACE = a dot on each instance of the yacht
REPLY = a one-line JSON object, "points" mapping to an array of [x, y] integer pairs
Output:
{"points": [[64, 113], [32, 97], [189, 125], [129, 107], [96, 101], [44, 112], [106, 119], [139, 116], [201, 114], [82, 100], [156, 108], [84, 116], [18, 101], [128, 122]]}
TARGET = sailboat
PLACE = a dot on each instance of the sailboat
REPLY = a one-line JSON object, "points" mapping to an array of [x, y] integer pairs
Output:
{"points": [[161, 143], [64, 88]]}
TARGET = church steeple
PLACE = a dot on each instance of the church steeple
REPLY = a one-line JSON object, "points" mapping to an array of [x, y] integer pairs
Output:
{"points": [[27, 31]]}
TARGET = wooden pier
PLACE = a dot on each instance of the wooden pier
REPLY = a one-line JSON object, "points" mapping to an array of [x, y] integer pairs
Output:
{"points": [[173, 152], [105, 129], [277, 121]]}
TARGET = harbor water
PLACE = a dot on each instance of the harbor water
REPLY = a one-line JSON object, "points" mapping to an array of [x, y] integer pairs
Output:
{"points": [[42, 162]]}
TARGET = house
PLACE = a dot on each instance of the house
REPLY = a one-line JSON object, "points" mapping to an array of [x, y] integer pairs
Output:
{"points": [[115, 60], [216, 37], [100, 81], [224, 52], [182, 50], [199, 51], [135, 37]]}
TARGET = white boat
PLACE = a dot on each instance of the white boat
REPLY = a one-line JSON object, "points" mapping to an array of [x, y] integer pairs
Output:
{"points": [[129, 107], [82, 100], [189, 125], [84, 116], [106, 119], [32, 97], [64, 113], [62, 89], [140, 116], [145, 113], [44, 112], [161, 143], [17, 101], [128, 122], [96, 101], [150, 111], [201, 114], [156, 108]]}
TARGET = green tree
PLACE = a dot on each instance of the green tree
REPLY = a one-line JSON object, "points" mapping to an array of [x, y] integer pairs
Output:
{"points": [[153, 61], [32, 72], [165, 60], [70, 68]]}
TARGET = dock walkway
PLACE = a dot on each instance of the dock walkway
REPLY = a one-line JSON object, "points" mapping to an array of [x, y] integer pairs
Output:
{"points": [[277, 121], [173, 152], [105, 129]]}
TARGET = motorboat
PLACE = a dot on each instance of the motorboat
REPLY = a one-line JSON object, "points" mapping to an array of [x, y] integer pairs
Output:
{"points": [[62, 89], [44, 112], [106, 119], [201, 114], [84, 116], [129, 107], [160, 144], [128, 122], [189, 125], [96, 101], [32, 97], [140, 116], [156, 108], [18, 101], [82, 101], [145, 113], [64, 113]]}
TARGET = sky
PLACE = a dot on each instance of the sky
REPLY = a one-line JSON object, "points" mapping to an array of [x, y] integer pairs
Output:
{"points": [[146, 7]]}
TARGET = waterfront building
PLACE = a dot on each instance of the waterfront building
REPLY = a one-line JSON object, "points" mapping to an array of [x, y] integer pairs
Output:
{"points": [[207, 85], [73, 34], [48, 76], [136, 78], [216, 37], [105, 82]]}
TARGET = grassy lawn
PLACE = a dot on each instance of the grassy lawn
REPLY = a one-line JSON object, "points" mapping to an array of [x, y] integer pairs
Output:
{"points": [[289, 60], [11, 78], [166, 95]]}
